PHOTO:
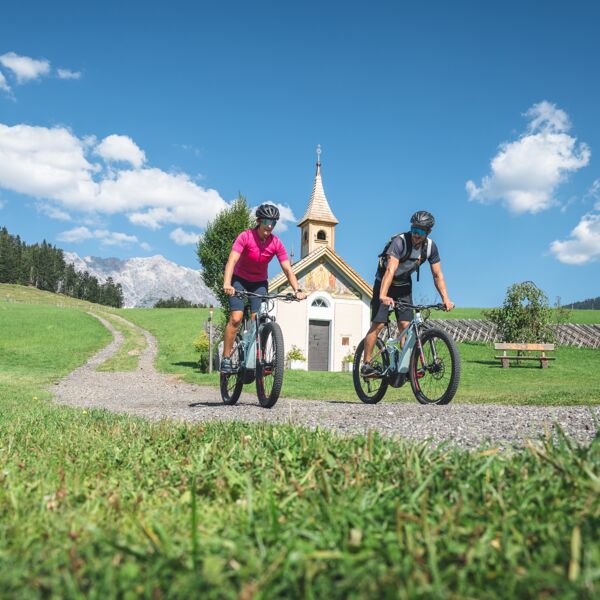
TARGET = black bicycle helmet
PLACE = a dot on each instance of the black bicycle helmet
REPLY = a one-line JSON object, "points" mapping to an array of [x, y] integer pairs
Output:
{"points": [[423, 219], [267, 211]]}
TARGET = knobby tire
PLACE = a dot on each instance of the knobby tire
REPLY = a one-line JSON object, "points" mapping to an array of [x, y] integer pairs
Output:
{"points": [[370, 390], [436, 381], [232, 384], [269, 371]]}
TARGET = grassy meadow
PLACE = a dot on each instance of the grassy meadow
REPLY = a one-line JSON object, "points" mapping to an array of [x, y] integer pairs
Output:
{"points": [[104, 506], [99, 505], [573, 378]]}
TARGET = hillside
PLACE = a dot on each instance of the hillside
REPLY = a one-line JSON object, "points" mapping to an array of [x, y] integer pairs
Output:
{"points": [[29, 295]]}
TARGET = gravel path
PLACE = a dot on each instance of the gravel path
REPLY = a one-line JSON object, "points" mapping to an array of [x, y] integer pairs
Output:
{"points": [[147, 393]]}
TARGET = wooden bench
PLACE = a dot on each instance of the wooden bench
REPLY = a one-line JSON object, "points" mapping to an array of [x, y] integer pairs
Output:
{"points": [[541, 349]]}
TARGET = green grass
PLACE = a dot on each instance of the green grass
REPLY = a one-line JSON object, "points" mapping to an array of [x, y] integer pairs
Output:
{"points": [[101, 505], [126, 358], [39, 343], [573, 378], [576, 316], [98, 505], [11, 293]]}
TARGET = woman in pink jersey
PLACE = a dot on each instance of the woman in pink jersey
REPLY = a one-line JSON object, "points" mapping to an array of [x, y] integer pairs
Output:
{"points": [[247, 270]]}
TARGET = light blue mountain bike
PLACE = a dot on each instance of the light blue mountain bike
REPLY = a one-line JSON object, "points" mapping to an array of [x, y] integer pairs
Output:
{"points": [[429, 359], [258, 354]]}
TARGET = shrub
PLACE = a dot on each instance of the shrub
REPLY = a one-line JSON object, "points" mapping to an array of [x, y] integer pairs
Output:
{"points": [[202, 345], [525, 315], [295, 354]]}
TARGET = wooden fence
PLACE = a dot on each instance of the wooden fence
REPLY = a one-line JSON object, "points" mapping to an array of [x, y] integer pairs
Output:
{"points": [[479, 330]]}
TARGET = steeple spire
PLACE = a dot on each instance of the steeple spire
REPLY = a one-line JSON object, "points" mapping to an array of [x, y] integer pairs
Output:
{"points": [[318, 208]]}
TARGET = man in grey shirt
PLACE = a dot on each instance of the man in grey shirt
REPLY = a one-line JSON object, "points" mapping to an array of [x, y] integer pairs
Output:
{"points": [[403, 258]]}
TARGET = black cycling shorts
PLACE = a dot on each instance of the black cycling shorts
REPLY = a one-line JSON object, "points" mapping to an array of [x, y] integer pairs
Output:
{"points": [[380, 313], [243, 285]]}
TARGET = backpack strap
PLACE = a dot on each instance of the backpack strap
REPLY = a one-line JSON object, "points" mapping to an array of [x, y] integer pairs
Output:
{"points": [[383, 255], [426, 250]]}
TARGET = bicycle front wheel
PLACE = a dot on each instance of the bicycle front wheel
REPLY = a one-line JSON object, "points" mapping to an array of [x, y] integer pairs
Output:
{"points": [[371, 389], [232, 383], [269, 371], [435, 374]]}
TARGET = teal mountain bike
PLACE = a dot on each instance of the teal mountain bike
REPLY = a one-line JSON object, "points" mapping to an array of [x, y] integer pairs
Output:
{"points": [[429, 359], [258, 354]]}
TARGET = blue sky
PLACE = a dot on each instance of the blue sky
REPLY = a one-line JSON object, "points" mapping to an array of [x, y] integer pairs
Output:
{"points": [[124, 127]]}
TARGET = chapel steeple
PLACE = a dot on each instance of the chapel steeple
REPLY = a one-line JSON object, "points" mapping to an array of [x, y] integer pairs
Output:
{"points": [[318, 223]]}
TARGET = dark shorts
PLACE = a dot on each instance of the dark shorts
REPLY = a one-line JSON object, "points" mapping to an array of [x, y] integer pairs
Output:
{"points": [[380, 313], [243, 285]]}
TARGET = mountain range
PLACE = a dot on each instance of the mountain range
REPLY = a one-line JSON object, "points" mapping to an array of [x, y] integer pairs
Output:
{"points": [[146, 280]]}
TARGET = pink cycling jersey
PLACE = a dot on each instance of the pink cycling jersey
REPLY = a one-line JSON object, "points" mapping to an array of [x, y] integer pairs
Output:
{"points": [[256, 254]]}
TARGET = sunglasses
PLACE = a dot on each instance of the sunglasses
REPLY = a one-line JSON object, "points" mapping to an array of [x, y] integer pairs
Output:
{"points": [[419, 231], [267, 222]]}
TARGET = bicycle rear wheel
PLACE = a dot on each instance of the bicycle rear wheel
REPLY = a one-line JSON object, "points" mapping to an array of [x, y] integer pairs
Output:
{"points": [[371, 389], [269, 371], [435, 375], [232, 383]]}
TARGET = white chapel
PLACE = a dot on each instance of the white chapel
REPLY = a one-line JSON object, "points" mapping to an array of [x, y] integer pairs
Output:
{"points": [[330, 323]]}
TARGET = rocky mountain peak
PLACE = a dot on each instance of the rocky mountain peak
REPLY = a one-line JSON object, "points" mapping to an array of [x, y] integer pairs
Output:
{"points": [[145, 280]]}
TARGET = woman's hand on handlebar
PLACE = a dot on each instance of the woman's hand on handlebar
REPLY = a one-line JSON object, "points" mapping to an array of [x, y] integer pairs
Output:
{"points": [[229, 289], [299, 295]]}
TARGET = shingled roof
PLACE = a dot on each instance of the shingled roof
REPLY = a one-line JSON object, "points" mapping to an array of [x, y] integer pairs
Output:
{"points": [[318, 208]]}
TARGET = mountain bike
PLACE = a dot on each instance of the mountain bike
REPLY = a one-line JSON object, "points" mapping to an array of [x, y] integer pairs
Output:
{"points": [[429, 359], [258, 354]]}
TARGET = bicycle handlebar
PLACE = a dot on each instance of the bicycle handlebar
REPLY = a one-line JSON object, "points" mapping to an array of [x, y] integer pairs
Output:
{"points": [[419, 307], [289, 297]]}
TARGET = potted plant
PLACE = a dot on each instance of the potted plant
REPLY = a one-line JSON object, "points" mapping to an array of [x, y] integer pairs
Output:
{"points": [[295, 358], [348, 362]]}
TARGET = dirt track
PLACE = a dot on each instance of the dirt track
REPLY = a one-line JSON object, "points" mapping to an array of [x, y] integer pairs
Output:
{"points": [[153, 395]]}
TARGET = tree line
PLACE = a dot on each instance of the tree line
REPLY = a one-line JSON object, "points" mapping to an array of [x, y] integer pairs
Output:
{"points": [[43, 266], [178, 302], [589, 304]]}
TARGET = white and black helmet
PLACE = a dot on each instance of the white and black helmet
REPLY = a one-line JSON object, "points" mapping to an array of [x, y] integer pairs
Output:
{"points": [[423, 219], [267, 211]]}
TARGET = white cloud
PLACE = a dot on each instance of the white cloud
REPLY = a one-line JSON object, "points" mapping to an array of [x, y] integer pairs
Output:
{"points": [[594, 192], [121, 148], [107, 238], [24, 68], [52, 164], [170, 198], [526, 173], [68, 74], [145, 246], [46, 163], [183, 238], [77, 234], [584, 245], [53, 212], [4, 85]]}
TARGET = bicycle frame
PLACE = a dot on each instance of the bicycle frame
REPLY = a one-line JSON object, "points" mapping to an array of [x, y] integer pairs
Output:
{"points": [[251, 334], [252, 327], [400, 357]]}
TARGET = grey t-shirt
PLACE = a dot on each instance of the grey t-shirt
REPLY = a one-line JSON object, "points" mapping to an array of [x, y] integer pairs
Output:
{"points": [[409, 265]]}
